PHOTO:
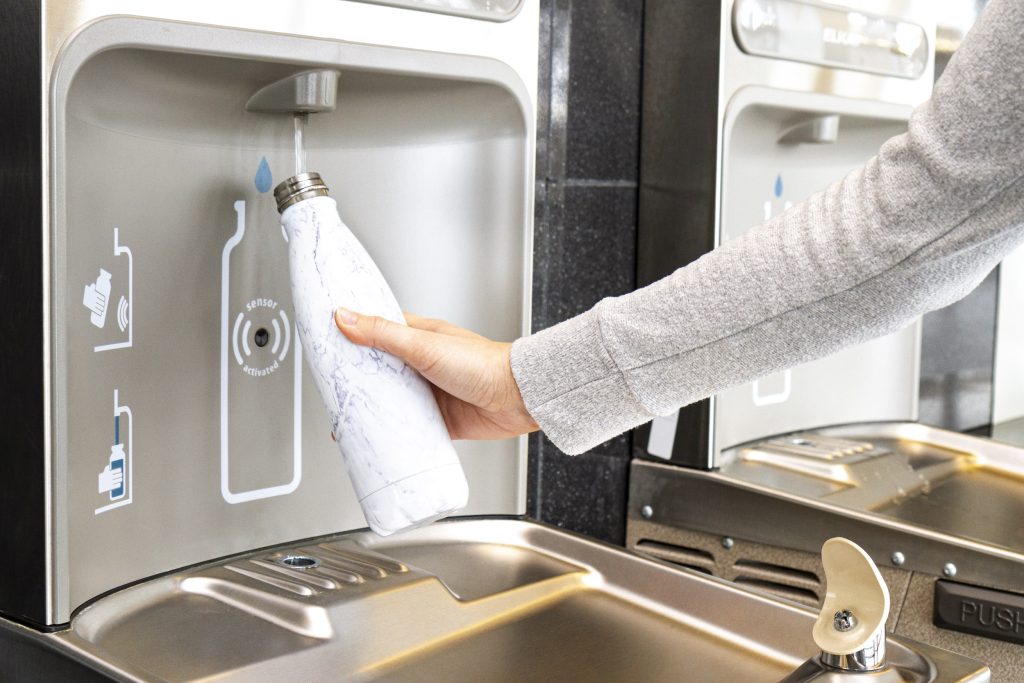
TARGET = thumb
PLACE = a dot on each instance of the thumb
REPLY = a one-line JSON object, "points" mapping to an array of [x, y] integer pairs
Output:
{"points": [[416, 347]]}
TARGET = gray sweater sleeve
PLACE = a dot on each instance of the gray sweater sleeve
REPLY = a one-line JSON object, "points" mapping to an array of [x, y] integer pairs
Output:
{"points": [[914, 229]]}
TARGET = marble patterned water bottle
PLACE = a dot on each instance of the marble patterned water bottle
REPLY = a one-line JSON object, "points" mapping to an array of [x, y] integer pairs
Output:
{"points": [[389, 430]]}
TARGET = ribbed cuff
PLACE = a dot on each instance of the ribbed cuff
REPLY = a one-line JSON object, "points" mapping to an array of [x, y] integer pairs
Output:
{"points": [[572, 387]]}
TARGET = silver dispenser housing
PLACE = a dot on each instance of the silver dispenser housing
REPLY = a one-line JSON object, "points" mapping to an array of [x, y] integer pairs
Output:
{"points": [[172, 355], [796, 95], [818, 138]]}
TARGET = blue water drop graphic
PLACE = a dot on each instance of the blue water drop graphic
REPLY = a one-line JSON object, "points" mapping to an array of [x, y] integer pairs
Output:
{"points": [[778, 185], [263, 177]]}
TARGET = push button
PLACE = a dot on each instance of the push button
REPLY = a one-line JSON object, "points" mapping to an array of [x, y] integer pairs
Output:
{"points": [[979, 611]]}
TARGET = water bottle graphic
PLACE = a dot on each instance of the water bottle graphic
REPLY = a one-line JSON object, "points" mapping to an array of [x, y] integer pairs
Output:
{"points": [[117, 464], [261, 360], [115, 479]]}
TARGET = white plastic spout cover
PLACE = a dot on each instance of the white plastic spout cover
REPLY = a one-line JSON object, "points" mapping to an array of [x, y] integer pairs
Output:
{"points": [[852, 583]]}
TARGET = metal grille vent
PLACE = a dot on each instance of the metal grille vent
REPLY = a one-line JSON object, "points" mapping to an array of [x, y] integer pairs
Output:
{"points": [[798, 584], [794, 584], [691, 558]]}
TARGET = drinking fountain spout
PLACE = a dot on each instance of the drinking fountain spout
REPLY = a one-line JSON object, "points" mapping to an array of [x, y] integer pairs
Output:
{"points": [[850, 629]]}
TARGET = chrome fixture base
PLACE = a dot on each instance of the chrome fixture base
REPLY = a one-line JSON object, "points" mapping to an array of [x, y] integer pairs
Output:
{"points": [[870, 658]]}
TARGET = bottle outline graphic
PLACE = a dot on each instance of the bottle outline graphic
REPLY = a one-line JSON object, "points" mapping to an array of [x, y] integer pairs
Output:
{"points": [[229, 367]]}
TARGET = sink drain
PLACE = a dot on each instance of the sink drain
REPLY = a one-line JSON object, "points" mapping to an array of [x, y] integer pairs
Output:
{"points": [[299, 562]]}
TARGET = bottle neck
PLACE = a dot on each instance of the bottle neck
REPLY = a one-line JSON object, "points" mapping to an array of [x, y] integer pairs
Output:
{"points": [[299, 188]]}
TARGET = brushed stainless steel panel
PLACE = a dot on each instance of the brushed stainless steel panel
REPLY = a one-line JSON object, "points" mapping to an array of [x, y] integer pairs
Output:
{"points": [[739, 105], [160, 171]]}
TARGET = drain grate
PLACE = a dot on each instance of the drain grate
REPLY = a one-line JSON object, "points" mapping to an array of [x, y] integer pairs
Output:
{"points": [[300, 562], [308, 571]]}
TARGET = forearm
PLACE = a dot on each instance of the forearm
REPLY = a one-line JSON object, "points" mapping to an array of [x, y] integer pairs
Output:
{"points": [[913, 229]]}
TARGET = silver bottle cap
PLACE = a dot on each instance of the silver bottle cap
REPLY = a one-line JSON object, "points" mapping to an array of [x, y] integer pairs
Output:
{"points": [[298, 188]]}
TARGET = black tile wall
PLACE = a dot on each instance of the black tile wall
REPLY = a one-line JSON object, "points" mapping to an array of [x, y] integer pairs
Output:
{"points": [[585, 226], [589, 250], [603, 133], [585, 493]]}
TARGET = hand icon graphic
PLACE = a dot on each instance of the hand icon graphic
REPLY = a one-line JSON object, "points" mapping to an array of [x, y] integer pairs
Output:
{"points": [[95, 299], [111, 479]]}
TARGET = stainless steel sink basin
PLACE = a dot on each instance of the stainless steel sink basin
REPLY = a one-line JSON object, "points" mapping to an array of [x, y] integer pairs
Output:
{"points": [[487, 600]]}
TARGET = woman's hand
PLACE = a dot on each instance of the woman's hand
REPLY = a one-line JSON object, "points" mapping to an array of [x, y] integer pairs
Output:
{"points": [[471, 375]]}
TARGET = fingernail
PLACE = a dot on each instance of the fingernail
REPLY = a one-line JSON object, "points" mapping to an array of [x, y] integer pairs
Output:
{"points": [[346, 317]]}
